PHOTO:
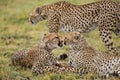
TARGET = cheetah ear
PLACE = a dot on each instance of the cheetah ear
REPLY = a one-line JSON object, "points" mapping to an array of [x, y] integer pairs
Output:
{"points": [[38, 10]]}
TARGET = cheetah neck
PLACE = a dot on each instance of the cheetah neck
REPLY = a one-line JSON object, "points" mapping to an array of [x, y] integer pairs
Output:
{"points": [[80, 45]]}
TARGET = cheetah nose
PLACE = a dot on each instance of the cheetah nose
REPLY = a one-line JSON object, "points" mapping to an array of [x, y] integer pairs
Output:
{"points": [[60, 44]]}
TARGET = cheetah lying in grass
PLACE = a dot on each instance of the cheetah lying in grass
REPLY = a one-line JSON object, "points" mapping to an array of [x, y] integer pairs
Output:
{"points": [[85, 59], [39, 57]]}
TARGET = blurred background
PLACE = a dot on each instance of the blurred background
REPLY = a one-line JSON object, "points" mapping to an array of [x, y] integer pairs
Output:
{"points": [[17, 33]]}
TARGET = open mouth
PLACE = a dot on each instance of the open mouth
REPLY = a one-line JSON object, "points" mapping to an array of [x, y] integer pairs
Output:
{"points": [[60, 45]]}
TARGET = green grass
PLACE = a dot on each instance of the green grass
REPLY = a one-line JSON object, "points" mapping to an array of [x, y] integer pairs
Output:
{"points": [[16, 34]]}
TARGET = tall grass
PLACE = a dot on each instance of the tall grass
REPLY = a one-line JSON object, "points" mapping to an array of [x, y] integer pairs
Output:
{"points": [[16, 34]]}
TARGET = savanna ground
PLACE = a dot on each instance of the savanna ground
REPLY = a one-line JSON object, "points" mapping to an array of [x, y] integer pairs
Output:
{"points": [[16, 34]]}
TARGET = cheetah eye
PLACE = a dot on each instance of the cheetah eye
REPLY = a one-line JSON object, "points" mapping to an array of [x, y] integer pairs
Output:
{"points": [[57, 37], [76, 37]]}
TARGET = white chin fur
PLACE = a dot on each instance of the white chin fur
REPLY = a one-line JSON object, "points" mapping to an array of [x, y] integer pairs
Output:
{"points": [[119, 73], [50, 46], [57, 46], [70, 46]]}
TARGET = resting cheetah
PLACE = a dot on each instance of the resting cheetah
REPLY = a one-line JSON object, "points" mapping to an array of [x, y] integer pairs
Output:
{"points": [[82, 18], [86, 59], [39, 57]]}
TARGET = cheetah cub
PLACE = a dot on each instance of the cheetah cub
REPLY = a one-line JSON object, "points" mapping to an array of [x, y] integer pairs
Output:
{"points": [[86, 59], [40, 56]]}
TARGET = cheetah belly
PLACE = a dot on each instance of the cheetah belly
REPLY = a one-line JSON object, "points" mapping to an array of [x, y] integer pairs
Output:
{"points": [[91, 27], [84, 29], [67, 28]]}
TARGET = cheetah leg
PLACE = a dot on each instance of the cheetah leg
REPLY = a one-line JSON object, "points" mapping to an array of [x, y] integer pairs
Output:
{"points": [[37, 68], [107, 24], [58, 68], [106, 37], [65, 67], [54, 68]]}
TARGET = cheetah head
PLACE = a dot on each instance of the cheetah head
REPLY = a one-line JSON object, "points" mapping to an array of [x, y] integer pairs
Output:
{"points": [[37, 15], [72, 38], [52, 40]]}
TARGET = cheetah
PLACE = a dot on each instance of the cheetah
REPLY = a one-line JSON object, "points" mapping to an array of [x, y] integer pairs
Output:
{"points": [[87, 59], [68, 17], [39, 57]]}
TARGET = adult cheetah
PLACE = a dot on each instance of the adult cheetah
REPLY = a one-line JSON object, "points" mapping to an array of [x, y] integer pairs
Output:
{"points": [[104, 14], [86, 59]]}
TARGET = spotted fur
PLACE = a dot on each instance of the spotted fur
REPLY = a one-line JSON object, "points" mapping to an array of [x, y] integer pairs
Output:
{"points": [[40, 56], [87, 59], [104, 14]]}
